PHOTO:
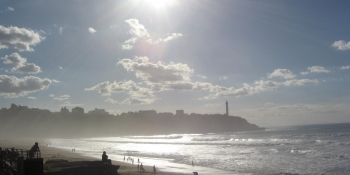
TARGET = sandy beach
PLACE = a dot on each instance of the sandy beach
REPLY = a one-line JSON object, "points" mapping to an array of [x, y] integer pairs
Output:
{"points": [[51, 153]]}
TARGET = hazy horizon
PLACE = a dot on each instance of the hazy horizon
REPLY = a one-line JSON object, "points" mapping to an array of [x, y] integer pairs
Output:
{"points": [[277, 63]]}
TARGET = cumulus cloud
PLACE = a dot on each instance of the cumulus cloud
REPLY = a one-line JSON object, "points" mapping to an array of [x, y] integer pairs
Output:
{"points": [[13, 87], [341, 45], [139, 32], [345, 67], [33, 98], [10, 8], [14, 59], [19, 38], [284, 73], [137, 29], [20, 64], [315, 69], [91, 30], [138, 95], [160, 76], [299, 82], [157, 74]]}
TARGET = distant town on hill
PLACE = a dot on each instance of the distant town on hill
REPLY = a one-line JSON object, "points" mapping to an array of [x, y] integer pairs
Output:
{"points": [[21, 121]]}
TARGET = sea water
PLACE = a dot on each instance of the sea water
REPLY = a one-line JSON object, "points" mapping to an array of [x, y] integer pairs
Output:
{"points": [[311, 149]]}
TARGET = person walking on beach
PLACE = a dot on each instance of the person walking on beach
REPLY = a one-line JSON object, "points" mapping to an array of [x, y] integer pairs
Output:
{"points": [[138, 160], [154, 169], [192, 163], [33, 150]]}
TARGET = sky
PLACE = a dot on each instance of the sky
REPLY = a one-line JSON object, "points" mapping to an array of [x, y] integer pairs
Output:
{"points": [[275, 62]]}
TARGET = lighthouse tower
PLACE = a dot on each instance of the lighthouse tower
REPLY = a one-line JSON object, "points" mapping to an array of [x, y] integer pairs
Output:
{"points": [[226, 108]]}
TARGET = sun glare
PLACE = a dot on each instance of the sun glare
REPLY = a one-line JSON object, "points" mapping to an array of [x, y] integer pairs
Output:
{"points": [[159, 4]]}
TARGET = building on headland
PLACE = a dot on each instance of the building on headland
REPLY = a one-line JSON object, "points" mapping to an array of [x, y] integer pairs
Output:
{"points": [[147, 112], [64, 110], [180, 112], [97, 111], [227, 108], [78, 111]]}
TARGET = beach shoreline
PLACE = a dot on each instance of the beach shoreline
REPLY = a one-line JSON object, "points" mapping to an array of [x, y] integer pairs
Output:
{"points": [[52, 153]]}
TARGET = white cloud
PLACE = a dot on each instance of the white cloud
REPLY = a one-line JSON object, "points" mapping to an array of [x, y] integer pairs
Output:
{"points": [[60, 67], [166, 38], [212, 105], [341, 45], [137, 29], [139, 32], [60, 30], [110, 100], [33, 98], [20, 64], [19, 38], [158, 74], [138, 95], [62, 97], [223, 78], [176, 76], [138, 101], [315, 69], [13, 87], [299, 82], [91, 30], [29, 68], [202, 76], [51, 95], [285, 73], [67, 103], [345, 67], [10, 8], [14, 59]]}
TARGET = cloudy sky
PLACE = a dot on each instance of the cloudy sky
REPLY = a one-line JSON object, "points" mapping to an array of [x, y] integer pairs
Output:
{"points": [[275, 62]]}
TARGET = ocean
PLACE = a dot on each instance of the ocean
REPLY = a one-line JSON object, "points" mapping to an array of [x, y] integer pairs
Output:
{"points": [[309, 149]]}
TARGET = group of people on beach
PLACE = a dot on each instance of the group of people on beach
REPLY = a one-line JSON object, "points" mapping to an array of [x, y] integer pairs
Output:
{"points": [[139, 166]]}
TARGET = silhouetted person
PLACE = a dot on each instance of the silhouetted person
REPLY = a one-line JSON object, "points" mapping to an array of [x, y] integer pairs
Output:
{"points": [[12, 155], [138, 160], [33, 150], [154, 169], [192, 163], [105, 158], [138, 167], [141, 168]]}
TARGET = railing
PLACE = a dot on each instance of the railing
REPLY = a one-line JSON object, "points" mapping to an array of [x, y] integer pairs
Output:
{"points": [[22, 152]]}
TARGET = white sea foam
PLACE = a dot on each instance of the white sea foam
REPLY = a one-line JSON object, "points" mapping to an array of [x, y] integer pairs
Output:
{"points": [[299, 150]]}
